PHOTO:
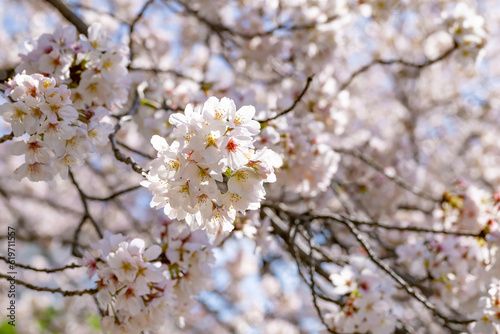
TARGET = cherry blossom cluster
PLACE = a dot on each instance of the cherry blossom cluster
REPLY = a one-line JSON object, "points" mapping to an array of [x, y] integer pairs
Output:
{"points": [[60, 136], [309, 161], [93, 67], [369, 306], [467, 30], [189, 257], [211, 170], [133, 289], [460, 268], [489, 311], [138, 285]]}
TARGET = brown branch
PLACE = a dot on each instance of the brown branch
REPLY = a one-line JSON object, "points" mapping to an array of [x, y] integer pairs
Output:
{"points": [[112, 138], [123, 158], [114, 195], [7, 137], [280, 229], [417, 295], [142, 154], [313, 283], [44, 270], [68, 14], [52, 290], [396, 179], [395, 61], [83, 198], [86, 215], [344, 219], [162, 71], [132, 28], [219, 28], [294, 104]]}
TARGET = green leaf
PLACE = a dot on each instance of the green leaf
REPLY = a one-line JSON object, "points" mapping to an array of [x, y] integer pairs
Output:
{"points": [[228, 172], [150, 103], [46, 316], [93, 322], [5, 328]]}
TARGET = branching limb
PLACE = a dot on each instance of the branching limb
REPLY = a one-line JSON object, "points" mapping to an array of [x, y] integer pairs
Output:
{"points": [[345, 218], [86, 215], [415, 294], [219, 28]]}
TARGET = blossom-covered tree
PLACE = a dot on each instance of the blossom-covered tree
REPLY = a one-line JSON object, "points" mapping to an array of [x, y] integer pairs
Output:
{"points": [[234, 166]]}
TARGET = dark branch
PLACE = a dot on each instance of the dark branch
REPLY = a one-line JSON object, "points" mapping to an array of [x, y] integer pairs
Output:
{"points": [[395, 178], [395, 61], [5, 138], [54, 290], [44, 270], [68, 14], [114, 195], [294, 104]]}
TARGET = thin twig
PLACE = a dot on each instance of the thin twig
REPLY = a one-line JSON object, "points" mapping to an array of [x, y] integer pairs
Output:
{"points": [[83, 198], [219, 28], [313, 283], [395, 178], [45, 270], [132, 28], [345, 218], [142, 154], [65, 293], [112, 137], [394, 61], [417, 295], [123, 158], [294, 104], [114, 195]]}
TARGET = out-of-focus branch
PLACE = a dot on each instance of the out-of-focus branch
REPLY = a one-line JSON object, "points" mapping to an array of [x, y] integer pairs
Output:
{"points": [[123, 158], [395, 178], [69, 15], [44, 270], [395, 61], [371, 254], [157, 71], [294, 104], [142, 154], [65, 293], [313, 283], [86, 215], [219, 28], [415, 294], [7, 137], [358, 222], [280, 229], [132, 28], [114, 195], [112, 138]]}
